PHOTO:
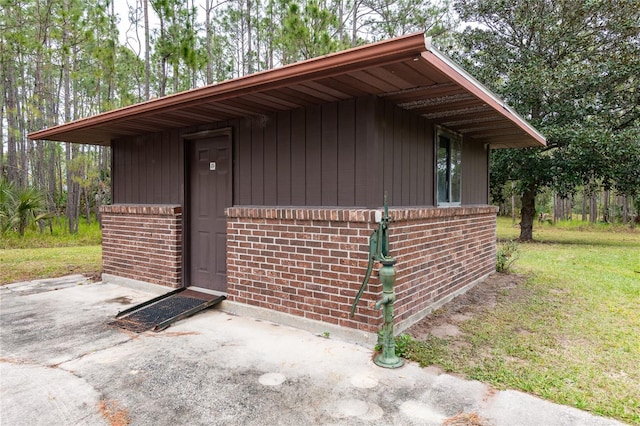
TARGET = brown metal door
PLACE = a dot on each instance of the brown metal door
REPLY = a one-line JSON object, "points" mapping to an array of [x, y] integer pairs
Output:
{"points": [[210, 193]]}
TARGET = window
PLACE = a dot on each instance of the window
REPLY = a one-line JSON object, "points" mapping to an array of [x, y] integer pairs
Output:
{"points": [[448, 168]]}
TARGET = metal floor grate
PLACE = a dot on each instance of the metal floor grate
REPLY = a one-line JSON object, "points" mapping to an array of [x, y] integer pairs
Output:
{"points": [[168, 309]]}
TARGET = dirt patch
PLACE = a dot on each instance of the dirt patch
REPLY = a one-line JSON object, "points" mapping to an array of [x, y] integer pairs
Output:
{"points": [[444, 323]]}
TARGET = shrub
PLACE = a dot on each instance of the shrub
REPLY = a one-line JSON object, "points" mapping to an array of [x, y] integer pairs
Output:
{"points": [[403, 342], [506, 255]]}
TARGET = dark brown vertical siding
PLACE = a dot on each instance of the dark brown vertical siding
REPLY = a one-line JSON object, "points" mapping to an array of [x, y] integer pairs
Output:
{"points": [[387, 148], [270, 176], [314, 156], [116, 178], [363, 145], [284, 158], [329, 159], [144, 146], [407, 150], [421, 167], [156, 170], [410, 174], [243, 171], [342, 154], [346, 153], [133, 179], [148, 169], [429, 165], [298, 158], [129, 147], [165, 155], [395, 197], [257, 164], [161, 176], [177, 163], [474, 173], [405, 143]]}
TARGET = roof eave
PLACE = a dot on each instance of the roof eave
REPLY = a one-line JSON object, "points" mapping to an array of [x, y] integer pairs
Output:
{"points": [[469, 82], [334, 63], [411, 47]]}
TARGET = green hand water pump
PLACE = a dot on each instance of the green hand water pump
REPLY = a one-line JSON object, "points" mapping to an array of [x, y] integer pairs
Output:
{"points": [[379, 252]]}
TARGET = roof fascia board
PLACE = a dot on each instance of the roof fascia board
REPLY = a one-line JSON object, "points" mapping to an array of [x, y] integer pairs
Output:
{"points": [[335, 63], [490, 97]]}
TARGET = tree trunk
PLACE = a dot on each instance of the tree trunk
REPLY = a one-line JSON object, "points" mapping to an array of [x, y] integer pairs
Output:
{"points": [[70, 149], [258, 38], [584, 206], [70, 193], [24, 157], [513, 203], [176, 77], [147, 61], [354, 24], [593, 210], [112, 62], [249, 40], [13, 169], [60, 180], [605, 206], [87, 205], [98, 205], [341, 20], [162, 78], [527, 213], [208, 35], [2, 130], [51, 180]]}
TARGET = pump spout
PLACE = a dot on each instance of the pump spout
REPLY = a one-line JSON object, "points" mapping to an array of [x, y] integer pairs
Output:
{"points": [[386, 299]]}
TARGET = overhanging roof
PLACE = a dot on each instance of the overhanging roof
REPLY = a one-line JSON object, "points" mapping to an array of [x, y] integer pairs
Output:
{"points": [[406, 71]]}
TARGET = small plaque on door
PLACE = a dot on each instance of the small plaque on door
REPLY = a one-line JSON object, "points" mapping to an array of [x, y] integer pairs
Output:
{"points": [[212, 165]]}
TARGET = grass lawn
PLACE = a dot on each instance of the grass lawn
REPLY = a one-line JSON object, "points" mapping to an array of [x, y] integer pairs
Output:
{"points": [[87, 235], [570, 333], [43, 255], [35, 263]]}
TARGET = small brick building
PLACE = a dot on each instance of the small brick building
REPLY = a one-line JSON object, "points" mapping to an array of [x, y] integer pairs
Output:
{"points": [[265, 187]]}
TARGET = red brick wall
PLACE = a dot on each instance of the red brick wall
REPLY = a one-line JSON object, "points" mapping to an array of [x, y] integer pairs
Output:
{"points": [[143, 242], [311, 262], [439, 252]]}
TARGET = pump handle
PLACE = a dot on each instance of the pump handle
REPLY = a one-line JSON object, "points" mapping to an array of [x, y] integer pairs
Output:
{"points": [[378, 250], [373, 251]]}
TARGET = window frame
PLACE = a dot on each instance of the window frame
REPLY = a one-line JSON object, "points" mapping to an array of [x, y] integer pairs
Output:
{"points": [[453, 161]]}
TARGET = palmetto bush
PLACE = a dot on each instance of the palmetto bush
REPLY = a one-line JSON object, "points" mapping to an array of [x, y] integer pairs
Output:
{"points": [[19, 207]]}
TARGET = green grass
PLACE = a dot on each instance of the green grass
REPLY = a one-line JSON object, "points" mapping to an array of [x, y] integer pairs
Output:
{"points": [[88, 235], [573, 232], [36, 263], [43, 255], [570, 333]]}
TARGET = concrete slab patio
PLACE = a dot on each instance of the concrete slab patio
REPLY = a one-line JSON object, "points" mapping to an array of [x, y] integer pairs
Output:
{"points": [[62, 364]]}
